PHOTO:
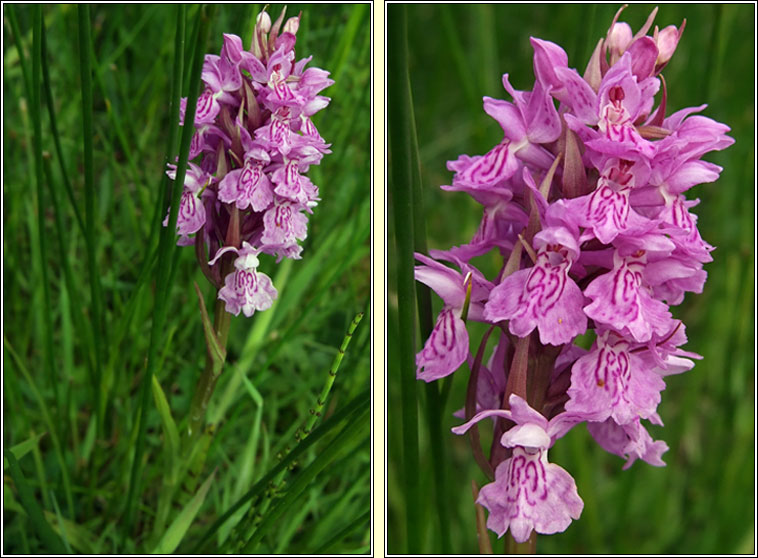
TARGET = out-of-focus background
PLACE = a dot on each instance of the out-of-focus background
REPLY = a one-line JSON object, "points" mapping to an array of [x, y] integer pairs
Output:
{"points": [[703, 500]]}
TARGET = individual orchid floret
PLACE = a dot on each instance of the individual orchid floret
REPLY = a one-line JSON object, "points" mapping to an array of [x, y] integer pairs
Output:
{"points": [[290, 184], [543, 296], [536, 120], [630, 441], [532, 120], [247, 187], [284, 224], [613, 381], [621, 300], [192, 215], [606, 210], [246, 289], [447, 346], [528, 493], [620, 102]]}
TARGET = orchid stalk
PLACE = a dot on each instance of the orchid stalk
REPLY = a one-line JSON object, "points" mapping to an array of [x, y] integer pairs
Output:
{"points": [[584, 200], [246, 195]]}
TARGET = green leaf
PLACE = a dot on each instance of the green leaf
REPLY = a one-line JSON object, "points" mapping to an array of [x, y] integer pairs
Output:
{"points": [[58, 517], [169, 426], [216, 351], [360, 521], [195, 461], [400, 135], [46, 416], [20, 450], [165, 249], [181, 524], [248, 455], [50, 540], [9, 500], [91, 237]]}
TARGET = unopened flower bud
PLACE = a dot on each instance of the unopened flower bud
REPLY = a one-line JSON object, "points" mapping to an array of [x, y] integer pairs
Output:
{"points": [[666, 40], [292, 25], [619, 38], [263, 23]]}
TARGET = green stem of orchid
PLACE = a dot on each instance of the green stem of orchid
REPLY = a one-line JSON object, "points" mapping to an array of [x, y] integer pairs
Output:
{"points": [[214, 364], [215, 338]]}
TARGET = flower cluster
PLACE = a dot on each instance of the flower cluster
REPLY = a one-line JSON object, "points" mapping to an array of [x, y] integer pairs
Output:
{"points": [[255, 141], [585, 203]]}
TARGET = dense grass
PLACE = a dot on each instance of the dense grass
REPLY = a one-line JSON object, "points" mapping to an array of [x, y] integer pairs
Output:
{"points": [[703, 501], [79, 296]]}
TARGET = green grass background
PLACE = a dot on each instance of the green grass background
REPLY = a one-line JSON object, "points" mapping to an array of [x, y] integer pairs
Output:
{"points": [[703, 500], [277, 361]]}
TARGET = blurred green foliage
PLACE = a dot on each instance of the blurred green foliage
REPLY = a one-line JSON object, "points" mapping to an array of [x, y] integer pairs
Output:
{"points": [[703, 500], [277, 361]]}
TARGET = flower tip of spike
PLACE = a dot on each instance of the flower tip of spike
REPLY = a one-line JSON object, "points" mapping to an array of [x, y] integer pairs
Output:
{"points": [[263, 21], [667, 40], [292, 24]]}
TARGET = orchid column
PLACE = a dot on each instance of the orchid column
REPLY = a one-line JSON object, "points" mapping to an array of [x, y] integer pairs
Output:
{"points": [[584, 201], [246, 196]]}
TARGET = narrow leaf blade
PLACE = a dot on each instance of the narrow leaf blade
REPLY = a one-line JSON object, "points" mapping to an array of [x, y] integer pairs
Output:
{"points": [[175, 533]]}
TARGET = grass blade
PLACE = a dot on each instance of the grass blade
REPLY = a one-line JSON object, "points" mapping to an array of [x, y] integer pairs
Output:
{"points": [[79, 537], [48, 421], [98, 322], [21, 449], [346, 42], [402, 205], [178, 528], [164, 255], [364, 519], [50, 540], [354, 430], [11, 11], [435, 401], [61, 530], [349, 411], [36, 109], [169, 426], [248, 456], [54, 131]]}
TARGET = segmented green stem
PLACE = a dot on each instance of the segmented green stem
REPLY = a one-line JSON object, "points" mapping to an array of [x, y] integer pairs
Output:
{"points": [[321, 401], [256, 514], [347, 413]]}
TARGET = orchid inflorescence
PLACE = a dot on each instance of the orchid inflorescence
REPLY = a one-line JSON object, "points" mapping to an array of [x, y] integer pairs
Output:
{"points": [[585, 203], [248, 193]]}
